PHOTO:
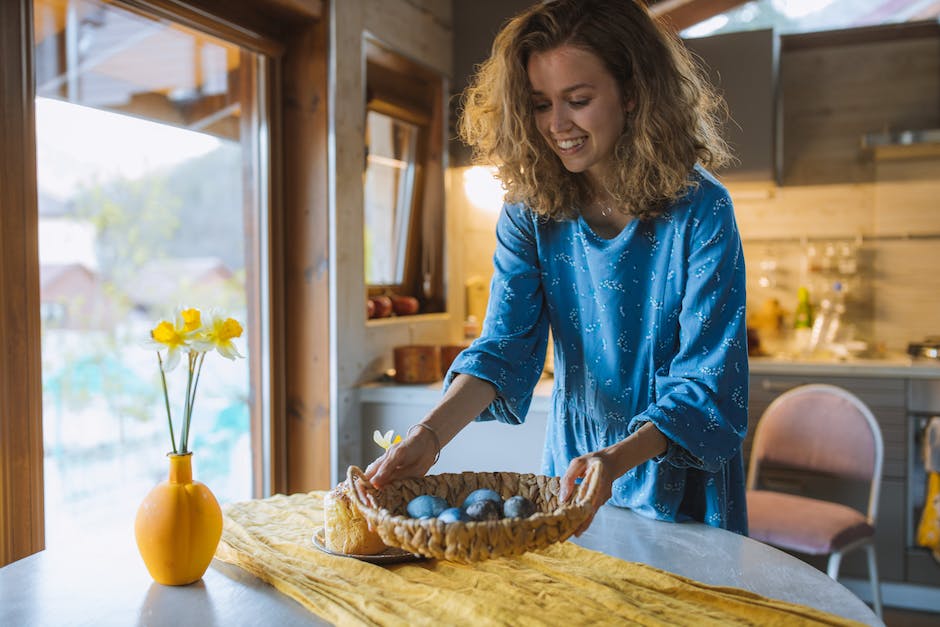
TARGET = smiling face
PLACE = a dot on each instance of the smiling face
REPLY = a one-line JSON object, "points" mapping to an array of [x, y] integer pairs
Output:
{"points": [[578, 107]]}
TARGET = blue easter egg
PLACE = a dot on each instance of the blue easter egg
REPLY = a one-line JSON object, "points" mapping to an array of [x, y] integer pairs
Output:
{"points": [[483, 494], [518, 507], [426, 506], [453, 514]]}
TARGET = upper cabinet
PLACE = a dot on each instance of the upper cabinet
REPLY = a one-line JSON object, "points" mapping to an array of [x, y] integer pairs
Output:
{"points": [[743, 69], [839, 87]]}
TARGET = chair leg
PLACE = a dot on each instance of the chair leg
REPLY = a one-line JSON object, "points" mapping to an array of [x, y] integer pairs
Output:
{"points": [[873, 575], [834, 561]]}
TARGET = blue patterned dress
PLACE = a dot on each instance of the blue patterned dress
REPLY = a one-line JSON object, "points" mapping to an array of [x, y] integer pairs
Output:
{"points": [[647, 326]]}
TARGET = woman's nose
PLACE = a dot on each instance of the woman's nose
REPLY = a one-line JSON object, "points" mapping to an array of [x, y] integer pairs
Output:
{"points": [[560, 120]]}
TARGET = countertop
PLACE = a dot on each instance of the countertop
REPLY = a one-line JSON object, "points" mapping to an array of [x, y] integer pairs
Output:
{"points": [[103, 581], [897, 366]]}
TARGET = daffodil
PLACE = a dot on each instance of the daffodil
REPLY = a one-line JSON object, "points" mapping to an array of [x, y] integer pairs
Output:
{"points": [[385, 441], [187, 334], [176, 336], [218, 335]]}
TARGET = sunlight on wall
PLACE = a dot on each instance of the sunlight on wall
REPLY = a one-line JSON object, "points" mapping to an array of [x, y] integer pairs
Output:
{"points": [[483, 189]]}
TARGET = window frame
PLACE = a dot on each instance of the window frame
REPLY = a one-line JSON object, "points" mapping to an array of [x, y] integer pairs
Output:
{"points": [[295, 377], [403, 88], [405, 231]]}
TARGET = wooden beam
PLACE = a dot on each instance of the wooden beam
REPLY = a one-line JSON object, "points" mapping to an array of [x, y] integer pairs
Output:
{"points": [[681, 14], [310, 9], [21, 454], [304, 255]]}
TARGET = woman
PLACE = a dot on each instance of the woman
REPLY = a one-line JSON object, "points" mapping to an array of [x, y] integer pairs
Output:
{"points": [[616, 238]]}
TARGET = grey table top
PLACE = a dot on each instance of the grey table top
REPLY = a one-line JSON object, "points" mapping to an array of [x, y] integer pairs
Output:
{"points": [[104, 582]]}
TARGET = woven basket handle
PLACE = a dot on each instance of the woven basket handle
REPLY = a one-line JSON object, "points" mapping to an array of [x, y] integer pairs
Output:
{"points": [[360, 488], [588, 487]]}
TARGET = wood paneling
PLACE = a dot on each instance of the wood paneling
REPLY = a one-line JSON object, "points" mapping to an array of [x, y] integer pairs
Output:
{"points": [[21, 491]]}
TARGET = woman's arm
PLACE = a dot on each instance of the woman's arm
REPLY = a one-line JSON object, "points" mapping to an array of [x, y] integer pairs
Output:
{"points": [[463, 401]]}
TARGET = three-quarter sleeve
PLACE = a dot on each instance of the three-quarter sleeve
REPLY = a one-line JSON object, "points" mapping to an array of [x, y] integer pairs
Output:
{"points": [[700, 396], [510, 352]]}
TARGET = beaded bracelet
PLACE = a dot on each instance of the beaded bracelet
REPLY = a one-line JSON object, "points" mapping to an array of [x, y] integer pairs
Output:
{"points": [[437, 441]]}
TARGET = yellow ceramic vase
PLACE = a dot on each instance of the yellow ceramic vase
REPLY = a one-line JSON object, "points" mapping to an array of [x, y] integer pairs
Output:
{"points": [[178, 526]]}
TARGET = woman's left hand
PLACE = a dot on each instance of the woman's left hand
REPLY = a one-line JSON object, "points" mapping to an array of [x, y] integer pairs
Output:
{"points": [[598, 462]]}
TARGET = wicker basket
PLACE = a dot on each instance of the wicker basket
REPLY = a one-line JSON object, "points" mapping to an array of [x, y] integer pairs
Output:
{"points": [[472, 541]]}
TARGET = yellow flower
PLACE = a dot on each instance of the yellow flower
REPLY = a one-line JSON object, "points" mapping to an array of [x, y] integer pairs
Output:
{"points": [[385, 441], [175, 336], [192, 319], [187, 334], [218, 334]]}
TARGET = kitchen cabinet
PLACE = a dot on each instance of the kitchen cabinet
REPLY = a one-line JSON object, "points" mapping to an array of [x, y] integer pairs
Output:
{"points": [[837, 87], [743, 69]]}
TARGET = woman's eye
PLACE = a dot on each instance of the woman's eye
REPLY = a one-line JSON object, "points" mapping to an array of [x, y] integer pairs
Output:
{"points": [[578, 103], [541, 106]]}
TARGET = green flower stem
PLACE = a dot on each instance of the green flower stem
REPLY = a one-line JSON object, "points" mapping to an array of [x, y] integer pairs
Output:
{"points": [[166, 401], [187, 409], [191, 401]]}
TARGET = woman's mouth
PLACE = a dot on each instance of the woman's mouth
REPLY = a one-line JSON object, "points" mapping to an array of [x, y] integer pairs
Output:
{"points": [[570, 145]]}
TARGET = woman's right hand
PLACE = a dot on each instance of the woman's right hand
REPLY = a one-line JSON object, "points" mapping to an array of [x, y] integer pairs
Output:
{"points": [[412, 457]]}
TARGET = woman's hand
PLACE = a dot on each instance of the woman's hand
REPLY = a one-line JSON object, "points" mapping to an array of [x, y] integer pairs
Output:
{"points": [[466, 397], [610, 463], [601, 465], [412, 457]]}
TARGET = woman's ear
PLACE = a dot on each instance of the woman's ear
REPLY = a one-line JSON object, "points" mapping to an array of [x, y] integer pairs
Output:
{"points": [[629, 106]]}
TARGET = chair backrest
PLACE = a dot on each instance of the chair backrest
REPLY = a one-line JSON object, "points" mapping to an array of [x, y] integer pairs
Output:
{"points": [[820, 428]]}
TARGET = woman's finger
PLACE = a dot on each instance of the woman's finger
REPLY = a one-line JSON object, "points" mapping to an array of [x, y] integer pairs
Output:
{"points": [[575, 471]]}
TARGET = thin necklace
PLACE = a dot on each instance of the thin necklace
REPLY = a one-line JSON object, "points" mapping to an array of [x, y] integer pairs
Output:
{"points": [[606, 209]]}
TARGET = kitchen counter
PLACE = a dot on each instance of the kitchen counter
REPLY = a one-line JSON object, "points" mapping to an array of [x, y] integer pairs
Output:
{"points": [[103, 581], [899, 366]]}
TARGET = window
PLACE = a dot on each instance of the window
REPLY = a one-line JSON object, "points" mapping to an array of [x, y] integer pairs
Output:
{"points": [[403, 180], [148, 168], [804, 16], [391, 192]]}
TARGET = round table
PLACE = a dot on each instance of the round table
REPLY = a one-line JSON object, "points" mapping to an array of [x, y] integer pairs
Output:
{"points": [[722, 558], [104, 582]]}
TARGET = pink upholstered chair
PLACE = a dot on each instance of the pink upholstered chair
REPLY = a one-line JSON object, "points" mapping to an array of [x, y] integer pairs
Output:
{"points": [[827, 430]]}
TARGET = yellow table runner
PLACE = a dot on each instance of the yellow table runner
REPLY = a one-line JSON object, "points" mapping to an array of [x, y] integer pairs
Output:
{"points": [[562, 585]]}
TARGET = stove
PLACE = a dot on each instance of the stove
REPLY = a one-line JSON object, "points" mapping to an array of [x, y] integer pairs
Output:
{"points": [[928, 349]]}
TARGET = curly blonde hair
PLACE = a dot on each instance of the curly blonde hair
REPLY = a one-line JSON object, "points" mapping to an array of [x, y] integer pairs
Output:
{"points": [[674, 123]]}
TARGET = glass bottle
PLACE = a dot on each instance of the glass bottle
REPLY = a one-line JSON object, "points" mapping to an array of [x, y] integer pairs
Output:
{"points": [[803, 321], [803, 316]]}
